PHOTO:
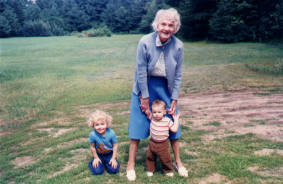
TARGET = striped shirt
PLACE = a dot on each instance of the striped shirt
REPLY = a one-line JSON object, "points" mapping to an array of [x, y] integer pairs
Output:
{"points": [[159, 130]]}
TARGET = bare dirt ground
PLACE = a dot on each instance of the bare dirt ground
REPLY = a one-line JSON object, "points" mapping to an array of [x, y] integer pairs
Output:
{"points": [[220, 114], [235, 113], [223, 114]]}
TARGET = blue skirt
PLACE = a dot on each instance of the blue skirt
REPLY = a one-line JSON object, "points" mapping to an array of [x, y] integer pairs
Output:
{"points": [[139, 124]]}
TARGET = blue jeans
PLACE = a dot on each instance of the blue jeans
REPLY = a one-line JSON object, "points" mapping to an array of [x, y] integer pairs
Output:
{"points": [[105, 159]]}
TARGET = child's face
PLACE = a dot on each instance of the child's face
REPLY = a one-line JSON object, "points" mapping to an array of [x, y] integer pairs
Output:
{"points": [[158, 112], [100, 127]]}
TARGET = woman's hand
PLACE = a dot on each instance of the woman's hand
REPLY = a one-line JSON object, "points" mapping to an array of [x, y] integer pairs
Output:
{"points": [[172, 110], [113, 163], [145, 106], [96, 162]]}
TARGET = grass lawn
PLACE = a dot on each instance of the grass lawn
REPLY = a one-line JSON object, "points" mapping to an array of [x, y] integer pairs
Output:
{"points": [[49, 86]]}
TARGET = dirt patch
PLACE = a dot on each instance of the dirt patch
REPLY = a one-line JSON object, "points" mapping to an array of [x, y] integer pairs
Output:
{"points": [[2, 133], [266, 152], [62, 121], [70, 143], [124, 113], [56, 132], [80, 156], [240, 112], [190, 153], [65, 169], [63, 131], [86, 110], [23, 161], [278, 172], [215, 178]]}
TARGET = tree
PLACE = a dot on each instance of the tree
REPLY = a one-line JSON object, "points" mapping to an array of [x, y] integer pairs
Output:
{"points": [[74, 18], [13, 12], [195, 15], [147, 19], [5, 27], [246, 20], [126, 17], [270, 20], [93, 9]]}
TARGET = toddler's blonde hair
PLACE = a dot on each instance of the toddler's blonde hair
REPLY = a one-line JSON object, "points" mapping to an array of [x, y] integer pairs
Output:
{"points": [[97, 116]]}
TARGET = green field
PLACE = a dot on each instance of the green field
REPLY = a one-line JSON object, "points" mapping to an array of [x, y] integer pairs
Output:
{"points": [[49, 85]]}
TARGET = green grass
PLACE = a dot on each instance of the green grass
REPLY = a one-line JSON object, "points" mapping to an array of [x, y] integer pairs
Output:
{"points": [[52, 83], [213, 123]]}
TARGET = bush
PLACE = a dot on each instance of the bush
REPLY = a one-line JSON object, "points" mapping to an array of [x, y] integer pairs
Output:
{"points": [[102, 31], [36, 28], [5, 27]]}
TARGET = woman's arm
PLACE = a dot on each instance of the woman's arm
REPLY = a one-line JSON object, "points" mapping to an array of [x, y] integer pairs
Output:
{"points": [[177, 81], [145, 106], [178, 74], [142, 78], [172, 110], [142, 69]]}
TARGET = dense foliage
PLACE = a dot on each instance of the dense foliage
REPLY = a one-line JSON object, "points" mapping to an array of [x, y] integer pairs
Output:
{"points": [[220, 20]]}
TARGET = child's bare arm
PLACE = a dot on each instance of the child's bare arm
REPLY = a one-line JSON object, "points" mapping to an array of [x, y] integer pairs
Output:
{"points": [[93, 151], [96, 159], [115, 151], [113, 160], [175, 126]]}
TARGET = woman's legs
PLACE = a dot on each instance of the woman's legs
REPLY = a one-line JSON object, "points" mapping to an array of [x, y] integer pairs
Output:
{"points": [[131, 174], [134, 143], [176, 149]]}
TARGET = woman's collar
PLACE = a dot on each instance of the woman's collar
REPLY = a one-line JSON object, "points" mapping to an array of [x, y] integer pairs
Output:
{"points": [[158, 41]]}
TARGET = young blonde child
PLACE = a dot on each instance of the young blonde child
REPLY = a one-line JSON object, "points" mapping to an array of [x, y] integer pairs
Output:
{"points": [[159, 143], [103, 144]]}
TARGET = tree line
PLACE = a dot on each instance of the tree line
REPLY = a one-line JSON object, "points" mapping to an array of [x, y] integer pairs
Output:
{"points": [[218, 20]]}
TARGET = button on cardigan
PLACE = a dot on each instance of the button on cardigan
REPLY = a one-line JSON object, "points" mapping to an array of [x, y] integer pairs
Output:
{"points": [[147, 56]]}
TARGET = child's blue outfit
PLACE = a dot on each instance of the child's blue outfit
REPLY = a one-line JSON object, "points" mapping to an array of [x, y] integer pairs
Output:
{"points": [[104, 150]]}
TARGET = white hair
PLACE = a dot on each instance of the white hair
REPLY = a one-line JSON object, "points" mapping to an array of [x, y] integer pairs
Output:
{"points": [[170, 13]]}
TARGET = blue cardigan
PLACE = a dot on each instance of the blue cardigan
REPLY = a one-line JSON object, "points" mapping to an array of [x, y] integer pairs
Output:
{"points": [[148, 54]]}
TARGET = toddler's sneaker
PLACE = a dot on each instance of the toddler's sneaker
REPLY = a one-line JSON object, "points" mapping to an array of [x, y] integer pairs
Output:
{"points": [[149, 174]]}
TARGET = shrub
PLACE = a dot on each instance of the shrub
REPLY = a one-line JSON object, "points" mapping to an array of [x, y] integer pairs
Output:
{"points": [[36, 28], [5, 27], [102, 31]]}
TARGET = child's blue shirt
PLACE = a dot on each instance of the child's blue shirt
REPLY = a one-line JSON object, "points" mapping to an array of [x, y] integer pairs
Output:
{"points": [[103, 144]]}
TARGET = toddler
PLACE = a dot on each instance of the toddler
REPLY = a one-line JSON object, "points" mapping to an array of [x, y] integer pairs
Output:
{"points": [[103, 144], [159, 142]]}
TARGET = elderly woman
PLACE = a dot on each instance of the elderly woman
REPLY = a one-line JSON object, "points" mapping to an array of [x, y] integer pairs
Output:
{"points": [[158, 76]]}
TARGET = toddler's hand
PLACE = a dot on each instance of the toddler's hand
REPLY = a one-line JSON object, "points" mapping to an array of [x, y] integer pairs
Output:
{"points": [[96, 162], [113, 163], [176, 116]]}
